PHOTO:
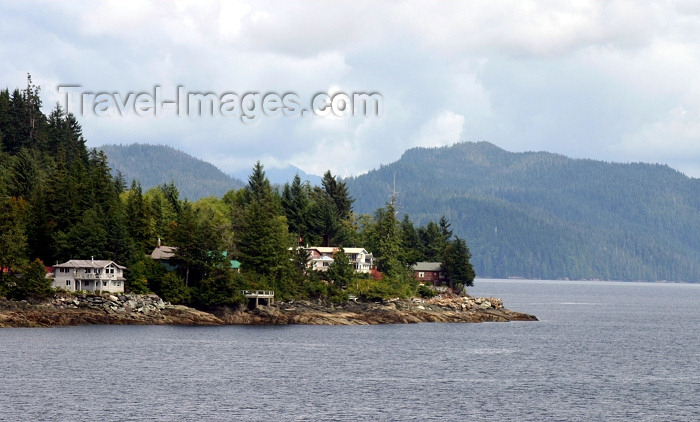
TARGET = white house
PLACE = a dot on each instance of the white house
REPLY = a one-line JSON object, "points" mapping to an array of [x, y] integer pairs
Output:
{"points": [[320, 258], [89, 275]]}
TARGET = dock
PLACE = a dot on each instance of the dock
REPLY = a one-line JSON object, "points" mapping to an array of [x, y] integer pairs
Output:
{"points": [[267, 295]]}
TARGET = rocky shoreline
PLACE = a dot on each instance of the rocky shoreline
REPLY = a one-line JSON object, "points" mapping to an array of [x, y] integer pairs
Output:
{"points": [[64, 310]]}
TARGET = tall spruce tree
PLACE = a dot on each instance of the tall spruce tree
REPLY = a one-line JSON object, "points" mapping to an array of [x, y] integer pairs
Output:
{"points": [[263, 240], [456, 264]]}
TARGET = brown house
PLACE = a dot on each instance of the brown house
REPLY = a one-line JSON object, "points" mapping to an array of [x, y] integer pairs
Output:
{"points": [[429, 273]]}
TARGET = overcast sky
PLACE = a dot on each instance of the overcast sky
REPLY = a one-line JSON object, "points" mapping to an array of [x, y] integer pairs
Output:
{"points": [[610, 80]]}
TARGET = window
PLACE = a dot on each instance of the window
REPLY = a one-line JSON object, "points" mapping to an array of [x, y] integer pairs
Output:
{"points": [[88, 270], [119, 283], [67, 282], [104, 283], [421, 274]]}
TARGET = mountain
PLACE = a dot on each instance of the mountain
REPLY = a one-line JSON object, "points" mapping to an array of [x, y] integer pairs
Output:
{"points": [[153, 165], [543, 215], [280, 176]]}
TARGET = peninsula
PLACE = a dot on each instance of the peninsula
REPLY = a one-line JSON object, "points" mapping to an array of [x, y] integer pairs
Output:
{"points": [[83, 309]]}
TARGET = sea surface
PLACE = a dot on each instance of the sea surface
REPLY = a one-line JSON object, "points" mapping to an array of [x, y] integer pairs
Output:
{"points": [[602, 351]]}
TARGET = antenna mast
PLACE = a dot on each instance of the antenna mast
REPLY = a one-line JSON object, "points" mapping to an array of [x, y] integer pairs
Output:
{"points": [[393, 194]]}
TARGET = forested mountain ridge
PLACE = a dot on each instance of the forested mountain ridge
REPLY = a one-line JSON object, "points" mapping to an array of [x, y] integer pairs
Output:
{"points": [[543, 215], [153, 165]]}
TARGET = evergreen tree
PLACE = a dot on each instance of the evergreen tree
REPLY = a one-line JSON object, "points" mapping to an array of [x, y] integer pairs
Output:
{"points": [[386, 240], [325, 221], [139, 222], [88, 238], [337, 191], [23, 175], [32, 284], [411, 245], [13, 238], [340, 271], [174, 289], [456, 264], [263, 241], [296, 206], [434, 242]]}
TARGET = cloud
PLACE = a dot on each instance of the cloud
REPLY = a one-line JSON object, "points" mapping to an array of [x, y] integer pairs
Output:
{"points": [[598, 79]]}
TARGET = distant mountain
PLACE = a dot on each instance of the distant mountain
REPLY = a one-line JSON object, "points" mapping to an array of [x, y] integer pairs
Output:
{"points": [[280, 176], [153, 165], [542, 215]]}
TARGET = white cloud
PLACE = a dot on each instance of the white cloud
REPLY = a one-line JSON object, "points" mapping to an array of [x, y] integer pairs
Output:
{"points": [[445, 129], [599, 79]]}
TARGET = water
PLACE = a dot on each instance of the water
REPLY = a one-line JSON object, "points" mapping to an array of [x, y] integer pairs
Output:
{"points": [[602, 351]]}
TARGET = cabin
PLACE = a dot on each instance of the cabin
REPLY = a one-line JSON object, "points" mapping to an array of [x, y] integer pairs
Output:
{"points": [[320, 258], [89, 275], [430, 273]]}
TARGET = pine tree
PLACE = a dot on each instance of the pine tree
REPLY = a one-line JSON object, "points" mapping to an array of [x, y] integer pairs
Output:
{"points": [[296, 205], [387, 242], [13, 238], [456, 264], [337, 191], [340, 271], [263, 241]]}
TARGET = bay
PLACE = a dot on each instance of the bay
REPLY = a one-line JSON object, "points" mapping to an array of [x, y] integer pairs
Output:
{"points": [[601, 351]]}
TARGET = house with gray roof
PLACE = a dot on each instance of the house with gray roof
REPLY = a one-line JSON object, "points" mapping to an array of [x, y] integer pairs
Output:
{"points": [[429, 273], [89, 275]]}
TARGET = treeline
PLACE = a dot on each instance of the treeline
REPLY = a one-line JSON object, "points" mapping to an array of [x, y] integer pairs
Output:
{"points": [[542, 215], [153, 165], [59, 201]]}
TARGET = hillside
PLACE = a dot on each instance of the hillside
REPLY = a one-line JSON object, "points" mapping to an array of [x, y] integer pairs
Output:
{"points": [[542, 215], [153, 165], [280, 176]]}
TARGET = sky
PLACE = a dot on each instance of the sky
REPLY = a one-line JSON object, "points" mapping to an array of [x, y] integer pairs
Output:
{"points": [[607, 80]]}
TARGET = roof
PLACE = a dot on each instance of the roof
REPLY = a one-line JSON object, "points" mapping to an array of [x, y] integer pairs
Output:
{"points": [[163, 252], [427, 266], [88, 263], [332, 249]]}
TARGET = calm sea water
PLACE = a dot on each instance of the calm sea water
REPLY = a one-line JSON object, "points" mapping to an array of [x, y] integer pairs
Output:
{"points": [[602, 351]]}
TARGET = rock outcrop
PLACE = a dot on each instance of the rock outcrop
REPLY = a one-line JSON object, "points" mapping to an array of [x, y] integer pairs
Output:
{"points": [[397, 311], [66, 309], [129, 309]]}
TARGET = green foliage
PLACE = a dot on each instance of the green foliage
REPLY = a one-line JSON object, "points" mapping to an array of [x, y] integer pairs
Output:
{"points": [[198, 241], [220, 288], [385, 240], [296, 204], [340, 272], [542, 215], [13, 237], [60, 201], [264, 241], [426, 292], [31, 284], [154, 165], [378, 290], [173, 289], [456, 265]]}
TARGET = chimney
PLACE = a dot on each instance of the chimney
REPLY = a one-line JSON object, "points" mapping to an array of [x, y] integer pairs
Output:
{"points": [[92, 258], [159, 242]]}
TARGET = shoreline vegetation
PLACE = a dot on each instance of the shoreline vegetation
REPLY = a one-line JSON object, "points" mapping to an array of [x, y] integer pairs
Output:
{"points": [[60, 204], [130, 309]]}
